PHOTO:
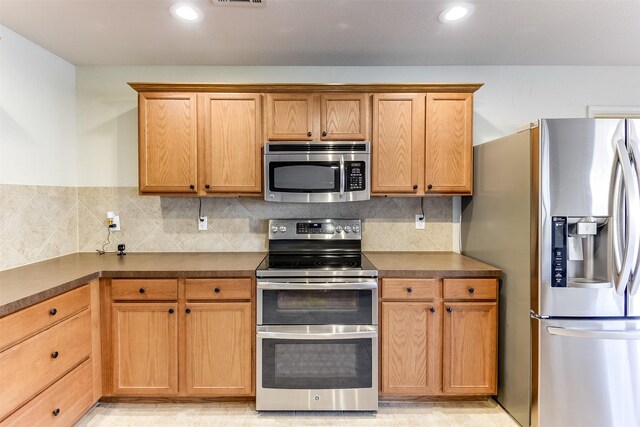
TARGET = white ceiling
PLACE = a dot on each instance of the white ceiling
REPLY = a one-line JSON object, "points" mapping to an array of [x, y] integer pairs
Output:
{"points": [[332, 32]]}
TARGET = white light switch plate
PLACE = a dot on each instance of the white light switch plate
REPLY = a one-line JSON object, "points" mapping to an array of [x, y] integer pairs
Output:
{"points": [[419, 222], [202, 224]]}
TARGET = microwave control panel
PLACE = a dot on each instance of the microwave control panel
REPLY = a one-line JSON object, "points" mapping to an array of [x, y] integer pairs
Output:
{"points": [[356, 173]]}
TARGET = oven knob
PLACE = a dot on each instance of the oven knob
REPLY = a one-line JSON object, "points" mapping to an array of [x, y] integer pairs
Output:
{"points": [[347, 229], [338, 229], [274, 228], [356, 229], [283, 228]]}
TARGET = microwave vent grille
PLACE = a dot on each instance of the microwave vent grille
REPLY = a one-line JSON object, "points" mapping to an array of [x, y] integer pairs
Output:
{"points": [[239, 2], [317, 147]]}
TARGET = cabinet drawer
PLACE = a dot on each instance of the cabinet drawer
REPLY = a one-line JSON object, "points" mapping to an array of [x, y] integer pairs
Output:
{"points": [[32, 365], [61, 404], [144, 290], [24, 323], [470, 289], [213, 289], [410, 289]]}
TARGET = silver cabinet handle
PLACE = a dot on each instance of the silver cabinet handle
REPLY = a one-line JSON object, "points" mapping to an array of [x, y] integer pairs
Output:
{"points": [[633, 217], [632, 335], [342, 177], [632, 199]]}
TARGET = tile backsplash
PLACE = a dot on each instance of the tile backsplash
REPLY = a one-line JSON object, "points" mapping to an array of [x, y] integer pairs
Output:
{"points": [[38, 222]]}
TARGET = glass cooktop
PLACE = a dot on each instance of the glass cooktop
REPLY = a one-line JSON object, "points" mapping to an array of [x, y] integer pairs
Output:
{"points": [[315, 264]]}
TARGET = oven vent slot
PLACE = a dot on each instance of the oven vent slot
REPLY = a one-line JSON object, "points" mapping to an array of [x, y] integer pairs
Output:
{"points": [[317, 147], [239, 2]]}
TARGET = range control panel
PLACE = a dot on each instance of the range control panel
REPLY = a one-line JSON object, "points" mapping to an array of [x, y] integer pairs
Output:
{"points": [[559, 252], [355, 176], [280, 229]]}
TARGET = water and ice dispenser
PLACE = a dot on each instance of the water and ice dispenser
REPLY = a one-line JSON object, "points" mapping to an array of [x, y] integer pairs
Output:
{"points": [[580, 252]]}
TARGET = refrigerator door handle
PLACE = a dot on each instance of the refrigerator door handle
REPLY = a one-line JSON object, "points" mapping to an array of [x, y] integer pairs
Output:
{"points": [[635, 151], [616, 228], [632, 335], [632, 200]]}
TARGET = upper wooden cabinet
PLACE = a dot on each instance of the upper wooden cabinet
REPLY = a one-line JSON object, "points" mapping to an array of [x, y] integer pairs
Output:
{"points": [[289, 117], [167, 124], [449, 143], [313, 117], [232, 142], [397, 143]]}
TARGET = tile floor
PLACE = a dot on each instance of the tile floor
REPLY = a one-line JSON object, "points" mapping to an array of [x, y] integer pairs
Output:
{"points": [[477, 414]]}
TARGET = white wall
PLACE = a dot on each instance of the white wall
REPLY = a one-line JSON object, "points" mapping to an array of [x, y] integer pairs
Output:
{"points": [[511, 96], [37, 114]]}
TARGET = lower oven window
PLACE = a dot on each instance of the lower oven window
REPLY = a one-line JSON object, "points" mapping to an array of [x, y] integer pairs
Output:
{"points": [[316, 364], [317, 307]]}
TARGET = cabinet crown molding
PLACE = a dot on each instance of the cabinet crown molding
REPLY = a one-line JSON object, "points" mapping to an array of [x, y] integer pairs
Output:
{"points": [[306, 87]]}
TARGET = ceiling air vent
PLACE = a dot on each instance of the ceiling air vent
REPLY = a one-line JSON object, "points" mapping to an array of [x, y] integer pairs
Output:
{"points": [[239, 2]]}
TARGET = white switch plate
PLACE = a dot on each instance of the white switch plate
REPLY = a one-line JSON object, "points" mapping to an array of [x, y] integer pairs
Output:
{"points": [[419, 222], [202, 224]]}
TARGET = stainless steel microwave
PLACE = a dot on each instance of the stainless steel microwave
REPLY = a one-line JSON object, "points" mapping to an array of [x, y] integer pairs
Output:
{"points": [[317, 172]]}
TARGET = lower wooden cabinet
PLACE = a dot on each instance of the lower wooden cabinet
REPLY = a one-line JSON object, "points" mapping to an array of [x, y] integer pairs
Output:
{"points": [[470, 343], [218, 348], [145, 348], [411, 348], [433, 345]]}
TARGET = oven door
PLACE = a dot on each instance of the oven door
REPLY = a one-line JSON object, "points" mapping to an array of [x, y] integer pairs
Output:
{"points": [[319, 367], [312, 177], [317, 302]]}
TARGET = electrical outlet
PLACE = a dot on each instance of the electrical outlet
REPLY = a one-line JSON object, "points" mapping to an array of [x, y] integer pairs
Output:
{"points": [[202, 224], [113, 221], [419, 222]]}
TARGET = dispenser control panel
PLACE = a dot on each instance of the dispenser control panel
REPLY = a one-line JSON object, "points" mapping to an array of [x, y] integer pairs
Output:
{"points": [[559, 252]]}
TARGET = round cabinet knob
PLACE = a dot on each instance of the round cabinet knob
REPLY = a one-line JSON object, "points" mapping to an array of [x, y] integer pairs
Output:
{"points": [[471, 290], [309, 134], [449, 310], [207, 186], [55, 355], [430, 186], [216, 290], [55, 412], [283, 228], [339, 229], [274, 228], [347, 229], [188, 310], [171, 311], [324, 133], [192, 186], [409, 290], [141, 290], [415, 186], [432, 309], [53, 312]]}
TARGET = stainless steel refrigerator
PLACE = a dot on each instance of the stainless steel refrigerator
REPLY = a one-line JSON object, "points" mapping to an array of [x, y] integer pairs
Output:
{"points": [[557, 208]]}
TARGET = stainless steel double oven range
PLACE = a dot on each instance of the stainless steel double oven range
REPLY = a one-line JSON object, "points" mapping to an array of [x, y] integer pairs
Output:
{"points": [[317, 319]]}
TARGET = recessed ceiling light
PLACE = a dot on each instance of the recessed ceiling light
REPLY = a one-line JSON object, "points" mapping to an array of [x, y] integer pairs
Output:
{"points": [[456, 12], [186, 12]]}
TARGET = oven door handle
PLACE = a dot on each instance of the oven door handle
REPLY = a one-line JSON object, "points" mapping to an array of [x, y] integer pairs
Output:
{"points": [[343, 178], [316, 286], [317, 335]]}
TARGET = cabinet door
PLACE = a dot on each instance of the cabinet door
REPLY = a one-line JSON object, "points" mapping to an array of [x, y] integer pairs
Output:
{"points": [[167, 145], [290, 117], [411, 348], [397, 143], [145, 348], [343, 117], [449, 143], [219, 349], [470, 348], [232, 142]]}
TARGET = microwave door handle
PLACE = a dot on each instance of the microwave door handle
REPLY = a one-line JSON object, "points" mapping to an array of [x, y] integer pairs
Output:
{"points": [[634, 144], [632, 200], [342, 177]]}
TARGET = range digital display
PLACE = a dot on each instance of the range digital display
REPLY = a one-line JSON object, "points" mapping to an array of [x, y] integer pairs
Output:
{"points": [[315, 228]]}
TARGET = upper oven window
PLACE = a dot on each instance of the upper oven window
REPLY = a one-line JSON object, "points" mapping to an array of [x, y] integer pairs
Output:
{"points": [[304, 177], [317, 307]]}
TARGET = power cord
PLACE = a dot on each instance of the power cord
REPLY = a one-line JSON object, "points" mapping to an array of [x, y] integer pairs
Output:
{"points": [[422, 208], [200, 209], [105, 243]]}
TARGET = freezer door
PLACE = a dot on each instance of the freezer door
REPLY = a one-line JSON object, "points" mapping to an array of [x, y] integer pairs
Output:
{"points": [[578, 159], [633, 143], [588, 373]]}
